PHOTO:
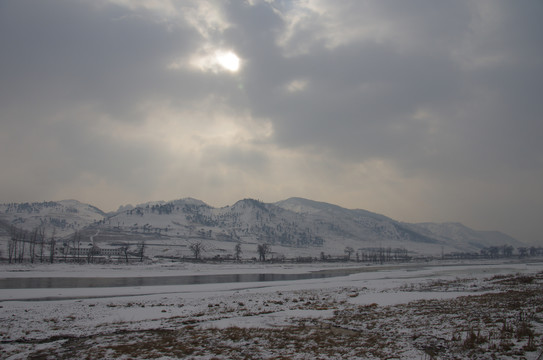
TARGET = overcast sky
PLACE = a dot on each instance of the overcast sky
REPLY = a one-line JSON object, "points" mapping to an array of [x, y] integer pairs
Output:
{"points": [[419, 110]]}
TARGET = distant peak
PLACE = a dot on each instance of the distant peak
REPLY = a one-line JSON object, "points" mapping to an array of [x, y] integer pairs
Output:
{"points": [[251, 203], [69, 201], [301, 205], [125, 207], [190, 201]]}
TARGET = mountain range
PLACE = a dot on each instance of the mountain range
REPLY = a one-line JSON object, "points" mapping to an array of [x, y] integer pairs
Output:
{"points": [[293, 227]]}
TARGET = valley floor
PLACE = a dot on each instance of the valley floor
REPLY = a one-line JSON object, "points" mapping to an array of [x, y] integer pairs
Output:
{"points": [[454, 311]]}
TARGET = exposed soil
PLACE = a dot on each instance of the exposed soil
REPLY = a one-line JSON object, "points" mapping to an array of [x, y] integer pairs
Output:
{"points": [[504, 322]]}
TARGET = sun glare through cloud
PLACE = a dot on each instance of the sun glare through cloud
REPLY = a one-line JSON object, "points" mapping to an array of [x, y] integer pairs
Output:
{"points": [[228, 60], [150, 138], [271, 99], [212, 60]]}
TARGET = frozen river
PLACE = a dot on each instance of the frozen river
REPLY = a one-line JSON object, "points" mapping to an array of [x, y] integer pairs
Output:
{"points": [[134, 304], [93, 282]]}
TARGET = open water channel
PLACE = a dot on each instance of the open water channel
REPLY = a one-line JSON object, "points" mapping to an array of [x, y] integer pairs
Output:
{"points": [[142, 281], [91, 282]]}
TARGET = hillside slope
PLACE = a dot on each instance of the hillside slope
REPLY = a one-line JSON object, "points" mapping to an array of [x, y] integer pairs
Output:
{"points": [[61, 217], [301, 225]]}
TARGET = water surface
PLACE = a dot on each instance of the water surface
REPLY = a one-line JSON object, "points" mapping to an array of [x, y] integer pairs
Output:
{"points": [[91, 282]]}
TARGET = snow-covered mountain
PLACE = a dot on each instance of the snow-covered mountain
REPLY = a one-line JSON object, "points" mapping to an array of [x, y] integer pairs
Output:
{"points": [[379, 229], [297, 224], [466, 237], [248, 221], [63, 217], [361, 224]]}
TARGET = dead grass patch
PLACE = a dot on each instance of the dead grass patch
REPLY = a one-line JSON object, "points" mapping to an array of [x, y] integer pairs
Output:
{"points": [[505, 322]]}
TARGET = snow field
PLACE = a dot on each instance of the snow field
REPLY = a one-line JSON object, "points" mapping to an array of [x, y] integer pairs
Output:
{"points": [[422, 309]]}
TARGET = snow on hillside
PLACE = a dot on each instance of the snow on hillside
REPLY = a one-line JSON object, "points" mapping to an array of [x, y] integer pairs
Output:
{"points": [[459, 311], [303, 206], [294, 227], [465, 237], [64, 217], [367, 229]]}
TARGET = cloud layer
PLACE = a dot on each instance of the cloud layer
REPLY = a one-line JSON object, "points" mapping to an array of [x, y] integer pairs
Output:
{"points": [[419, 110]]}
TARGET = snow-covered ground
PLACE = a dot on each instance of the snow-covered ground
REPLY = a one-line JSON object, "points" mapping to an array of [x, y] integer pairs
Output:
{"points": [[381, 311]]}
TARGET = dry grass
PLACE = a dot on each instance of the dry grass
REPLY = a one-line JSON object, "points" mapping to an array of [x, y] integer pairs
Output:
{"points": [[507, 322]]}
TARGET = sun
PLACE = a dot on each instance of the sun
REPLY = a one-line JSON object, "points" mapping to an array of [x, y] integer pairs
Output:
{"points": [[213, 60], [228, 60]]}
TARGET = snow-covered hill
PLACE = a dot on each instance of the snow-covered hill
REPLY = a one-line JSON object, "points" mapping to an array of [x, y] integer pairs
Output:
{"points": [[359, 224], [305, 226], [63, 217], [296, 226], [465, 237]]}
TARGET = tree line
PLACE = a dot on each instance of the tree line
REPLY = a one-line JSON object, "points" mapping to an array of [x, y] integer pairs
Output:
{"points": [[198, 248], [36, 246], [498, 252], [33, 246]]}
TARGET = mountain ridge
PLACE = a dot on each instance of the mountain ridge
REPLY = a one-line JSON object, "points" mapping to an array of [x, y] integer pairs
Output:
{"points": [[294, 223]]}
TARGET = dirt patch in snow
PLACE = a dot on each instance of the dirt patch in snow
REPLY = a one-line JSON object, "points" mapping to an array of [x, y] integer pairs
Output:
{"points": [[501, 319]]}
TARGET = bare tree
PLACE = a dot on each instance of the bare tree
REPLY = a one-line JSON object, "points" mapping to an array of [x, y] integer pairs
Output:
{"points": [[124, 250], [52, 245], [141, 249], [32, 247], [263, 250], [65, 250], [507, 250], [41, 241], [10, 251], [76, 244], [22, 243], [237, 252], [12, 244], [93, 251], [197, 249], [349, 251], [494, 251], [16, 246], [522, 251], [388, 253], [381, 255]]}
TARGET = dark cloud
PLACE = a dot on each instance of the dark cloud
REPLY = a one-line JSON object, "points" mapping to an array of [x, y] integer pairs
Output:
{"points": [[438, 96], [362, 98]]}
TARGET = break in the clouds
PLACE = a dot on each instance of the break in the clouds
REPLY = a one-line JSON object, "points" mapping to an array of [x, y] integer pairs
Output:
{"points": [[421, 110]]}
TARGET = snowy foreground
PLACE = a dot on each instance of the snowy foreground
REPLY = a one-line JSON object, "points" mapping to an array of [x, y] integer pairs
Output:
{"points": [[454, 311]]}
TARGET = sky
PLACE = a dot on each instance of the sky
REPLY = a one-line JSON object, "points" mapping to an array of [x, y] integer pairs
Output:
{"points": [[418, 110]]}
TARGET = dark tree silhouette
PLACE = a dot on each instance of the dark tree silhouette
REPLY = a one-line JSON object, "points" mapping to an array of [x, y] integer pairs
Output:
{"points": [[349, 251], [197, 249], [237, 252], [263, 250], [141, 250]]}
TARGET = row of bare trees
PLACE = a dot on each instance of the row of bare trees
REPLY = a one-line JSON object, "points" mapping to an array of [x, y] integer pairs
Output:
{"points": [[31, 245], [505, 251], [197, 248], [139, 253], [34, 246]]}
